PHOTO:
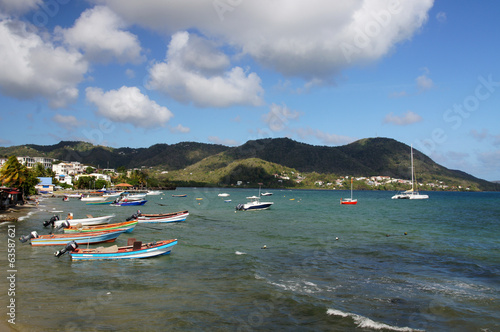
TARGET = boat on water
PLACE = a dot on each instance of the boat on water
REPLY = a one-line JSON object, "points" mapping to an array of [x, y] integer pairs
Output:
{"points": [[182, 195], [80, 238], [129, 203], [128, 226], [162, 217], [349, 201], [411, 193], [266, 194], [223, 195], [154, 193], [92, 198], [99, 203], [254, 204], [136, 250], [89, 221]]}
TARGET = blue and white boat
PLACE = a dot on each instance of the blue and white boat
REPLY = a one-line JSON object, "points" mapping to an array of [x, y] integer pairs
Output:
{"points": [[80, 238], [136, 250], [129, 203]]}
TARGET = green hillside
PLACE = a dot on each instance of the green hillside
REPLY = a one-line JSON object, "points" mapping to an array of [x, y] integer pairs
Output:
{"points": [[259, 160]]}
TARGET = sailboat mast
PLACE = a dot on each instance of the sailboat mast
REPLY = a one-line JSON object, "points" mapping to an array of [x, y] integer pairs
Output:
{"points": [[351, 187], [412, 168]]}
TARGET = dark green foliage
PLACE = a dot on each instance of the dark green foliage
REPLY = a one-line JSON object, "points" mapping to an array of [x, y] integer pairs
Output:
{"points": [[218, 164]]}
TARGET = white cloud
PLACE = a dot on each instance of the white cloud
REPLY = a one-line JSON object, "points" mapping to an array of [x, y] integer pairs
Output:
{"points": [[99, 33], [279, 116], [408, 118], [180, 129], [128, 105], [325, 138], [424, 83], [217, 140], [18, 7], [479, 136], [31, 67], [194, 72], [310, 39], [68, 122], [441, 17]]}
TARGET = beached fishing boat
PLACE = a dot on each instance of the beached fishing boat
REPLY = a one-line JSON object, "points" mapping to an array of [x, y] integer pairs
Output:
{"points": [[89, 221], [80, 238], [128, 226], [136, 250], [162, 217]]}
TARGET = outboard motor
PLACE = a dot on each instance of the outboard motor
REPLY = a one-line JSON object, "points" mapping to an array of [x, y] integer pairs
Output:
{"points": [[64, 224], [32, 235], [51, 221], [134, 216], [69, 247], [239, 207]]}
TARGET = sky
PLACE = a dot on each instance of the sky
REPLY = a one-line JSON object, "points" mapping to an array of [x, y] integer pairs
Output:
{"points": [[127, 73]]}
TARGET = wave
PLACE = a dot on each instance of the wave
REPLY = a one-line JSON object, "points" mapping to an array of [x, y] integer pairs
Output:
{"points": [[364, 322]]}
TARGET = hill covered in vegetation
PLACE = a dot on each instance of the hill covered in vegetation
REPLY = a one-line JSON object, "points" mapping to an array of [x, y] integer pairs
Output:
{"points": [[261, 161]]}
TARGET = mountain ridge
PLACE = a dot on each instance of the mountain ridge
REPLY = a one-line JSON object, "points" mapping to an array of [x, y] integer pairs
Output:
{"points": [[365, 157]]}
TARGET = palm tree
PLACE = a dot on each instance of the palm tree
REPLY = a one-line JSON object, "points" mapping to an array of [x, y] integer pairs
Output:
{"points": [[13, 173]]}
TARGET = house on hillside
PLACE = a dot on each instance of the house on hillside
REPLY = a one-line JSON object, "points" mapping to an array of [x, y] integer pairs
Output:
{"points": [[45, 186]]}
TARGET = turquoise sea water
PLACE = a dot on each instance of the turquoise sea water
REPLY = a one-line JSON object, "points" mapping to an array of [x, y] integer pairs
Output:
{"points": [[443, 275]]}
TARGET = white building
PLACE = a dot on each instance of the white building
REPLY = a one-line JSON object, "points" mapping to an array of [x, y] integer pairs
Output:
{"points": [[71, 168], [97, 176], [65, 178]]}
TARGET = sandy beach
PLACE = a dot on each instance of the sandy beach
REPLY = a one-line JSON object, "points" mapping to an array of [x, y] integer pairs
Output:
{"points": [[17, 213]]}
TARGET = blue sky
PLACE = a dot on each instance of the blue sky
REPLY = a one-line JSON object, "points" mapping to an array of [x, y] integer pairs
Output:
{"points": [[127, 73]]}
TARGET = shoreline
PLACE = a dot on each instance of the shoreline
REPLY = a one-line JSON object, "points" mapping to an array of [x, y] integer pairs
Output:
{"points": [[18, 213]]}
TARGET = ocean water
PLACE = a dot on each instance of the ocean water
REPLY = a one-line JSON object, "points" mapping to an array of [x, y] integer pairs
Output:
{"points": [[382, 265]]}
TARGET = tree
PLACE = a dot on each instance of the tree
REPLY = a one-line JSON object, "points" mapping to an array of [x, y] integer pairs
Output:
{"points": [[13, 173], [16, 175]]}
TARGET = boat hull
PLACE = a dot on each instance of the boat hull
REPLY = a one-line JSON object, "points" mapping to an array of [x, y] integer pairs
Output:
{"points": [[128, 226], [349, 202], [146, 251], [172, 217], [87, 221], [80, 238], [130, 203]]}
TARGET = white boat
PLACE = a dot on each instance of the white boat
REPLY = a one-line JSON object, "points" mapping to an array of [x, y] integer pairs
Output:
{"points": [[163, 217], [91, 198], [411, 193], [154, 192], [223, 195], [254, 204], [89, 221], [135, 196], [73, 195], [266, 194], [111, 195]]}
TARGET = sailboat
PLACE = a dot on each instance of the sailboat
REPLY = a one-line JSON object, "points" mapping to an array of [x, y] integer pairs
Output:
{"points": [[412, 193], [349, 201]]}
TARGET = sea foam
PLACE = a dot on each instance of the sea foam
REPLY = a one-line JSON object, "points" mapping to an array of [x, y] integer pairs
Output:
{"points": [[364, 322]]}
